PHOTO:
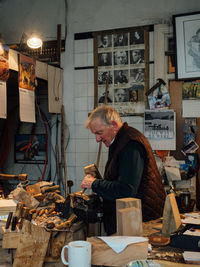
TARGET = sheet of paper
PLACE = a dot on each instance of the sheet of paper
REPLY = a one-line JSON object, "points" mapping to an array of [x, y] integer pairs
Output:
{"points": [[3, 100], [191, 256], [190, 108], [159, 128], [27, 105], [173, 173], [119, 243]]}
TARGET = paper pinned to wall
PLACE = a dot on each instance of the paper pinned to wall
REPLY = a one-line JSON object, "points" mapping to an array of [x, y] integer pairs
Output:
{"points": [[159, 128], [191, 108], [3, 100], [27, 88]]}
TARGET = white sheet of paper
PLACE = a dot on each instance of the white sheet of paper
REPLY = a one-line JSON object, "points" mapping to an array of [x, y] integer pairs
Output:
{"points": [[3, 100], [27, 105], [191, 108], [119, 243], [173, 173], [161, 132], [191, 256]]}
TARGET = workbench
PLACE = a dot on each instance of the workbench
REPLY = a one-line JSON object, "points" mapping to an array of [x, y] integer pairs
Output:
{"points": [[162, 255]]}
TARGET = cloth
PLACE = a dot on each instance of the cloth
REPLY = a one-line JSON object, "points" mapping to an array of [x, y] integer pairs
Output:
{"points": [[131, 171], [119, 243]]}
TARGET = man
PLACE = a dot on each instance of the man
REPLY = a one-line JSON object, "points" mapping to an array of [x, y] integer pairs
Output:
{"points": [[130, 171], [121, 77], [121, 95], [121, 58], [136, 56]]}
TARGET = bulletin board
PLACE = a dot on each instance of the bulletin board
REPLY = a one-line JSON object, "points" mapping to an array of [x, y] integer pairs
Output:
{"points": [[122, 57], [175, 90]]}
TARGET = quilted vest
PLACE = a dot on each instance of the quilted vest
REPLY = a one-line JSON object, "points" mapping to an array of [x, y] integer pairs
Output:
{"points": [[151, 190]]}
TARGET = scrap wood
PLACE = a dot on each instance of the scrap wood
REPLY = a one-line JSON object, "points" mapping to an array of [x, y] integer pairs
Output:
{"points": [[32, 247]]}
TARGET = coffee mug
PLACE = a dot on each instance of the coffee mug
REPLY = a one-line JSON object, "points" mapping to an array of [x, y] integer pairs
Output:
{"points": [[79, 254]]}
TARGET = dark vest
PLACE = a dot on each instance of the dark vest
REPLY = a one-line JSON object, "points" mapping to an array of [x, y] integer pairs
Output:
{"points": [[151, 190]]}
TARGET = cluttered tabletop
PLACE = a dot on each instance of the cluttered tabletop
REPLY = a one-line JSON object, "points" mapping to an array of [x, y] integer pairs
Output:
{"points": [[37, 219]]}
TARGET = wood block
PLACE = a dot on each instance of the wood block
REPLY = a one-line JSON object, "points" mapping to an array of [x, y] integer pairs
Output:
{"points": [[32, 246], [129, 222], [128, 202], [10, 238], [129, 217], [21, 195], [171, 215], [102, 254]]}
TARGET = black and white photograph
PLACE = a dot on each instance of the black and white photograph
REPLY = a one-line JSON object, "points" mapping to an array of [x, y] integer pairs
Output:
{"points": [[102, 96], [159, 124], [121, 76], [102, 77], [137, 75], [121, 95], [187, 45], [120, 39], [137, 37], [104, 41], [105, 59], [121, 57], [133, 95], [137, 56]]}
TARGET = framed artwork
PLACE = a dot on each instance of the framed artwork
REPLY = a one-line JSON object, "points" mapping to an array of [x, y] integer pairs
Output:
{"points": [[30, 148], [187, 36], [122, 59]]}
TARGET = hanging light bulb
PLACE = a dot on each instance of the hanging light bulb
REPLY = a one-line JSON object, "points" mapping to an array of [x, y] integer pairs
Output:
{"points": [[34, 41]]}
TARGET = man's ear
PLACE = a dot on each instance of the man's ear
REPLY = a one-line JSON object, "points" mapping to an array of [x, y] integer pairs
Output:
{"points": [[115, 125]]}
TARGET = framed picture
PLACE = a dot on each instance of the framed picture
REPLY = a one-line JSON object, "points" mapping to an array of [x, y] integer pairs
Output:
{"points": [[122, 57], [187, 36], [30, 148]]}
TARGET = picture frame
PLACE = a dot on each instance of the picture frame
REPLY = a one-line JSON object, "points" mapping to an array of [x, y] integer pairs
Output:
{"points": [[122, 57], [187, 39], [30, 148]]}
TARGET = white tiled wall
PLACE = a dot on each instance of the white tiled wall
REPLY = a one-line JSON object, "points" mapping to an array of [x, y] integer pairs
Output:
{"points": [[83, 148]]}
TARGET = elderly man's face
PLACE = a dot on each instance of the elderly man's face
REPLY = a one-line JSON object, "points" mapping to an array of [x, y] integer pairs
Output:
{"points": [[120, 57], [104, 133]]}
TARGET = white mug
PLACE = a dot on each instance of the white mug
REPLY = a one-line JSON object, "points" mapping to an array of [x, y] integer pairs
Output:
{"points": [[79, 254]]}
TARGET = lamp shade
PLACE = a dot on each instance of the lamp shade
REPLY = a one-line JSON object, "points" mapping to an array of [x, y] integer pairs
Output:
{"points": [[34, 42]]}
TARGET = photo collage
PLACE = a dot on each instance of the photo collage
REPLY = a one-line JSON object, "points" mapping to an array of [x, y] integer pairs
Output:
{"points": [[121, 65]]}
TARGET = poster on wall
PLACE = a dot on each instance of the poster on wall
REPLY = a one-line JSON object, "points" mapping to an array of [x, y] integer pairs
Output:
{"points": [[4, 75], [191, 99], [27, 88], [122, 58], [30, 148], [159, 128]]}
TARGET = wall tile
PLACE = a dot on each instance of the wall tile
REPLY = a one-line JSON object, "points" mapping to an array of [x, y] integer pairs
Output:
{"points": [[81, 103], [80, 117], [91, 89], [90, 46], [81, 132], [81, 46], [81, 145], [71, 147], [81, 76], [81, 60], [82, 159], [81, 89], [90, 76], [71, 159], [90, 59]]}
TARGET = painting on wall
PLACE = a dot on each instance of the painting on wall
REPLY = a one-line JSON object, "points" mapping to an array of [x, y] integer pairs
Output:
{"points": [[187, 35], [30, 148], [121, 59]]}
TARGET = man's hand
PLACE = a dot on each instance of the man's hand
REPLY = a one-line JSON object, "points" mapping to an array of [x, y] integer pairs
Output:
{"points": [[87, 181]]}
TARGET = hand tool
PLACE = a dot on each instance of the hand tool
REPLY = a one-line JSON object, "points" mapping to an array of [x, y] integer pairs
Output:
{"points": [[159, 83]]}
